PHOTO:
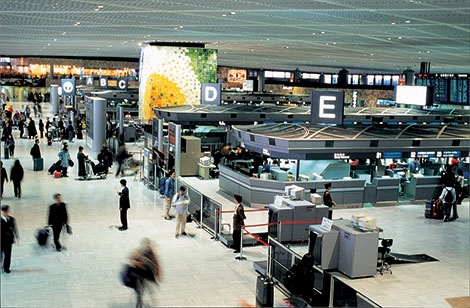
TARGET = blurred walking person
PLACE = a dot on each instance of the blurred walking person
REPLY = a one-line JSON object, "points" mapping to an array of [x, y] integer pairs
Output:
{"points": [[58, 218], [16, 176], [3, 178]]}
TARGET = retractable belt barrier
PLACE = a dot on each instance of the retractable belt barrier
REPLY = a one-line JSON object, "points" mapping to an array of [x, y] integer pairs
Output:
{"points": [[268, 224]]}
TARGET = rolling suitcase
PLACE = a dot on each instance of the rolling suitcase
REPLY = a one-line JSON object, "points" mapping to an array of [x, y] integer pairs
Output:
{"points": [[264, 292], [42, 235], [428, 208], [55, 166], [38, 164], [437, 211]]}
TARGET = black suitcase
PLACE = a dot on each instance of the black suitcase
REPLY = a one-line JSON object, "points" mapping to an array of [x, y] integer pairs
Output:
{"points": [[99, 168], [264, 292], [55, 167], [42, 236]]}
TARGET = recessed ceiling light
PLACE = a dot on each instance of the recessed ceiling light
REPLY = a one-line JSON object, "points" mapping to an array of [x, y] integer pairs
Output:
{"points": [[394, 23], [48, 44], [176, 28], [287, 46], [399, 37], [428, 51], [96, 9], [224, 15], [63, 33], [323, 32], [233, 13], [313, 33], [408, 21], [100, 6], [181, 27], [326, 44], [389, 38], [77, 22], [334, 43], [55, 40]]}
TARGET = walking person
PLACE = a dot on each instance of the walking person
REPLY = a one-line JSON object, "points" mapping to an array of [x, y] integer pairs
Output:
{"points": [[70, 131], [81, 158], [180, 202], [64, 157], [10, 144], [124, 204], [48, 125], [144, 268], [328, 201], [58, 218], [32, 132], [120, 157], [169, 193], [16, 176], [9, 235], [21, 127], [41, 128], [3, 178], [238, 222], [449, 198]]}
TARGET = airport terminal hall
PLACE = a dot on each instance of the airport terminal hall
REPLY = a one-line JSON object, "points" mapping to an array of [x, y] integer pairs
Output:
{"points": [[235, 153]]}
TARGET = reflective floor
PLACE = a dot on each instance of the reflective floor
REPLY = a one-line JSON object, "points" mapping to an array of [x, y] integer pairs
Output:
{"points": [[196, 271]]}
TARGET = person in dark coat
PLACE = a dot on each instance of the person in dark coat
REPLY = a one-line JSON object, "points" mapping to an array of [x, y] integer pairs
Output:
{"points": [[328, 201], [79, 128], [61, 128], [7, 129], [81, 157], [21, 127], [32, 132], [238, 222], [35, 150], [16, 176], [10, 144], [41, 128], [124, 204], [48, 124], [70, 131], [105, 156], [9, 236], [3, 178], [58, 218]]}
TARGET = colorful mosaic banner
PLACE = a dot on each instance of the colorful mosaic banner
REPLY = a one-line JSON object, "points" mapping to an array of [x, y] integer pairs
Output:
{"points": [[172, 76]]}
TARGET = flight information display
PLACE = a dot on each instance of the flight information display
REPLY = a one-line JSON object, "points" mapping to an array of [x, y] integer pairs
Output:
{"points": [[447, 88]]}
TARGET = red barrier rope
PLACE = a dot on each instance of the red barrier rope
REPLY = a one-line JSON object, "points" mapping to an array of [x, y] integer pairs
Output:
{"points": [[257, 238], [260, 225]]}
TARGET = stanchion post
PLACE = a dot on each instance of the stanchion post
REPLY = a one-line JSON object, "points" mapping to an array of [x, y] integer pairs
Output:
{"points": [[200, 212], [332, 291], [268, 266], [241, 257], [215, 226], [280, 232]]}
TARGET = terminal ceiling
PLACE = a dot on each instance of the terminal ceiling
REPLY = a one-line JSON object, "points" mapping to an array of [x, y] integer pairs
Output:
{"points": [[309, 35]]}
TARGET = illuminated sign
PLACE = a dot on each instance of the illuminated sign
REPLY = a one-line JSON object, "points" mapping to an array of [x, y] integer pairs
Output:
{"points": [[121, 83], [89, 81], [327, 107], [426, 154], [392, 155], [172, 134], [340, 156], [266, 152], [210, 93], [451, 154], [68, 86], [413, 95], [104, 82]]}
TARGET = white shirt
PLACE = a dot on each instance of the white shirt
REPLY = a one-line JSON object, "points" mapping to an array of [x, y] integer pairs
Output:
{"points": [[447, 190]]}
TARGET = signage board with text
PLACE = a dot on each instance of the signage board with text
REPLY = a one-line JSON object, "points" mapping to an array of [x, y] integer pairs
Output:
{"points": [[327, 107]]}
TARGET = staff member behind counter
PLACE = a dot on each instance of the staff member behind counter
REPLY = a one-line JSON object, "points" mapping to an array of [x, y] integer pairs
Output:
{"points": [[413, 167]]}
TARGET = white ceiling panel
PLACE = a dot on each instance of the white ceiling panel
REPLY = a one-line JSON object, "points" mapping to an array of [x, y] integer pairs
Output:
{"points": [[330, 34]]}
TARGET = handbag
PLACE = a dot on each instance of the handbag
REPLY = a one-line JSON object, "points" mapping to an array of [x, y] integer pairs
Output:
{"points": [[71, 163], [68, 228], [189, 218], [129, 276]]}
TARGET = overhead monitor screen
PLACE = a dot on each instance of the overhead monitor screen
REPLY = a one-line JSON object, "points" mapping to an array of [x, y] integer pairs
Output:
{"points": [[412, 95]]}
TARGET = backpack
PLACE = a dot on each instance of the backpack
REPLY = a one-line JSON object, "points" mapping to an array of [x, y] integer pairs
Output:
{"points": [[449, 198], [162, 184]]}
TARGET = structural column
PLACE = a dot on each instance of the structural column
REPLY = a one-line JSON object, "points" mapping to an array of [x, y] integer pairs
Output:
{"points": [[54, 99]]}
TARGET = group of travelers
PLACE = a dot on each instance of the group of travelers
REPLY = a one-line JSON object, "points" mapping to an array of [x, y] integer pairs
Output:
{"points": [[454, 191]]}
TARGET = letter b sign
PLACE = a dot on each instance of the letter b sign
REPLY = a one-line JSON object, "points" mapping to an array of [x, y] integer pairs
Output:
{"points": [[210, 93], [327, 107]]}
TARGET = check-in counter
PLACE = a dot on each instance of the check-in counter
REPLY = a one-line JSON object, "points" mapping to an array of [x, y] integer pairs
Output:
{"points": [[382, 191], [422, 187], [345, 192]]}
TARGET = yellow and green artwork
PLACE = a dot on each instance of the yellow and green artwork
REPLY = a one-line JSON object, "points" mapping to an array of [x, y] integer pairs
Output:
{"points": [[172, 76]]}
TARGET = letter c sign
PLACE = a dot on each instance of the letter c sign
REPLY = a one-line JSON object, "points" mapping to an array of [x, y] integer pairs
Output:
{"points": [[327, 107], [210, 93]]}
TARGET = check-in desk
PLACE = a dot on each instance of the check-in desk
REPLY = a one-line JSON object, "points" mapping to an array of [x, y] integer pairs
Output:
{"points": [[382, 191], [422, 187], [345, 192], [352, 251]]}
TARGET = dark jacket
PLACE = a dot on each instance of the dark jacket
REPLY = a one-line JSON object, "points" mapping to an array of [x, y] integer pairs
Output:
{"points": [[41, 126], [238, 218], [124, 201], [3, 175], [16, 174], [58, 214], [9, 231], [327, 200], [81, 164], [35, 151], [32, 129]]}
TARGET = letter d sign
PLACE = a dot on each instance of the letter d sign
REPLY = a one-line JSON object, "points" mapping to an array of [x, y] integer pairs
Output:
{"points": [[210, 93], [327, 107]]}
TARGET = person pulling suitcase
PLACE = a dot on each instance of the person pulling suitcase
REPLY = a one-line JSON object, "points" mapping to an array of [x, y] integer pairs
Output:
{"points": [[448, 197]]}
